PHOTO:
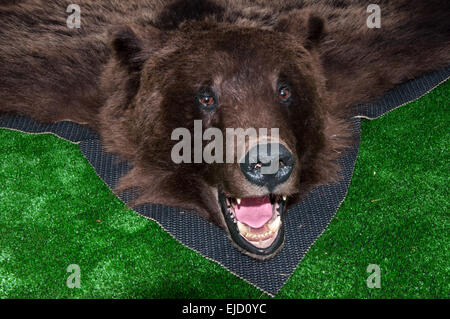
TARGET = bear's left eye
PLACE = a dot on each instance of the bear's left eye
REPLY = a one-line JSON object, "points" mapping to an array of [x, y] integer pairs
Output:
{"points": [[284, 93], [206, 99]]}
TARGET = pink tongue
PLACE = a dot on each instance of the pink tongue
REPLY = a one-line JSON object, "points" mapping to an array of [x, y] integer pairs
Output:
{"points": [[255, 212]]}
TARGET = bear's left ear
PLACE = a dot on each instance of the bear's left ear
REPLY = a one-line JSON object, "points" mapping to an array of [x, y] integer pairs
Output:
{"points": [[127, 47], [304, 24], [316, 29]]}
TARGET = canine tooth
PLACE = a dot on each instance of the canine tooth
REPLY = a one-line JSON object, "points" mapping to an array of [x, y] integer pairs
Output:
{"points": [[238, 200], [242, 228], [275, 225], [284, 197]]}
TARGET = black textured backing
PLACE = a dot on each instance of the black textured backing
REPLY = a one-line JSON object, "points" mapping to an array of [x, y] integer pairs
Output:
{"points": [[305, 223]]}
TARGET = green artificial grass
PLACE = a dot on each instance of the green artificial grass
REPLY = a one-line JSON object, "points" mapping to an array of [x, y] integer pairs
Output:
{"points": [[55, 211]]}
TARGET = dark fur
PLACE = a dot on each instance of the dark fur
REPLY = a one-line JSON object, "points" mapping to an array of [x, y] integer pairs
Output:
{"points": [[132, 70]]}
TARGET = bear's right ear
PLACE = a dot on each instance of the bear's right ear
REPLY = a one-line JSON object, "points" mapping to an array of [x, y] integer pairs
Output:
{"points": [[127, 47], [304, 24]]}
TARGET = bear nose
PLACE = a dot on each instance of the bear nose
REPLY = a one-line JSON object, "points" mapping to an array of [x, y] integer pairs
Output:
{"points": [[267, 165]]}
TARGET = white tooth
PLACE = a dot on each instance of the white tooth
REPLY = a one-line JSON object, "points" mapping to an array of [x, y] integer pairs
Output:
{"points": [[275, 225], [284, 197], [242, 228], [238, 200]]}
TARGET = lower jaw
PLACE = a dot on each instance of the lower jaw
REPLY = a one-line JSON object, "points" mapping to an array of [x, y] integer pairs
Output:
{"points": [[264, 242], [261, 249]]}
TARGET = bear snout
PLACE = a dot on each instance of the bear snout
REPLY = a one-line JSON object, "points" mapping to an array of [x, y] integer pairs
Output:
{"points": [[267, 165]]}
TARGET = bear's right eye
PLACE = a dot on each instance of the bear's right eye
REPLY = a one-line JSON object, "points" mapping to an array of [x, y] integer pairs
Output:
{"points": [[206, 99]]}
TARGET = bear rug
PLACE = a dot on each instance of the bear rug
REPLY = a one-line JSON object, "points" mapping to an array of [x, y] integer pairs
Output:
{"points": [[305, 223]]}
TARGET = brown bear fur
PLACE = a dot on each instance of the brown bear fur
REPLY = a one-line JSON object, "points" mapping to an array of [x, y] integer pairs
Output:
{"points": [[131, 71]]}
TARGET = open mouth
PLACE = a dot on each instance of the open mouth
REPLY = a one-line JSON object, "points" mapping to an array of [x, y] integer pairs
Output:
{"points": [[255, 223]]}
